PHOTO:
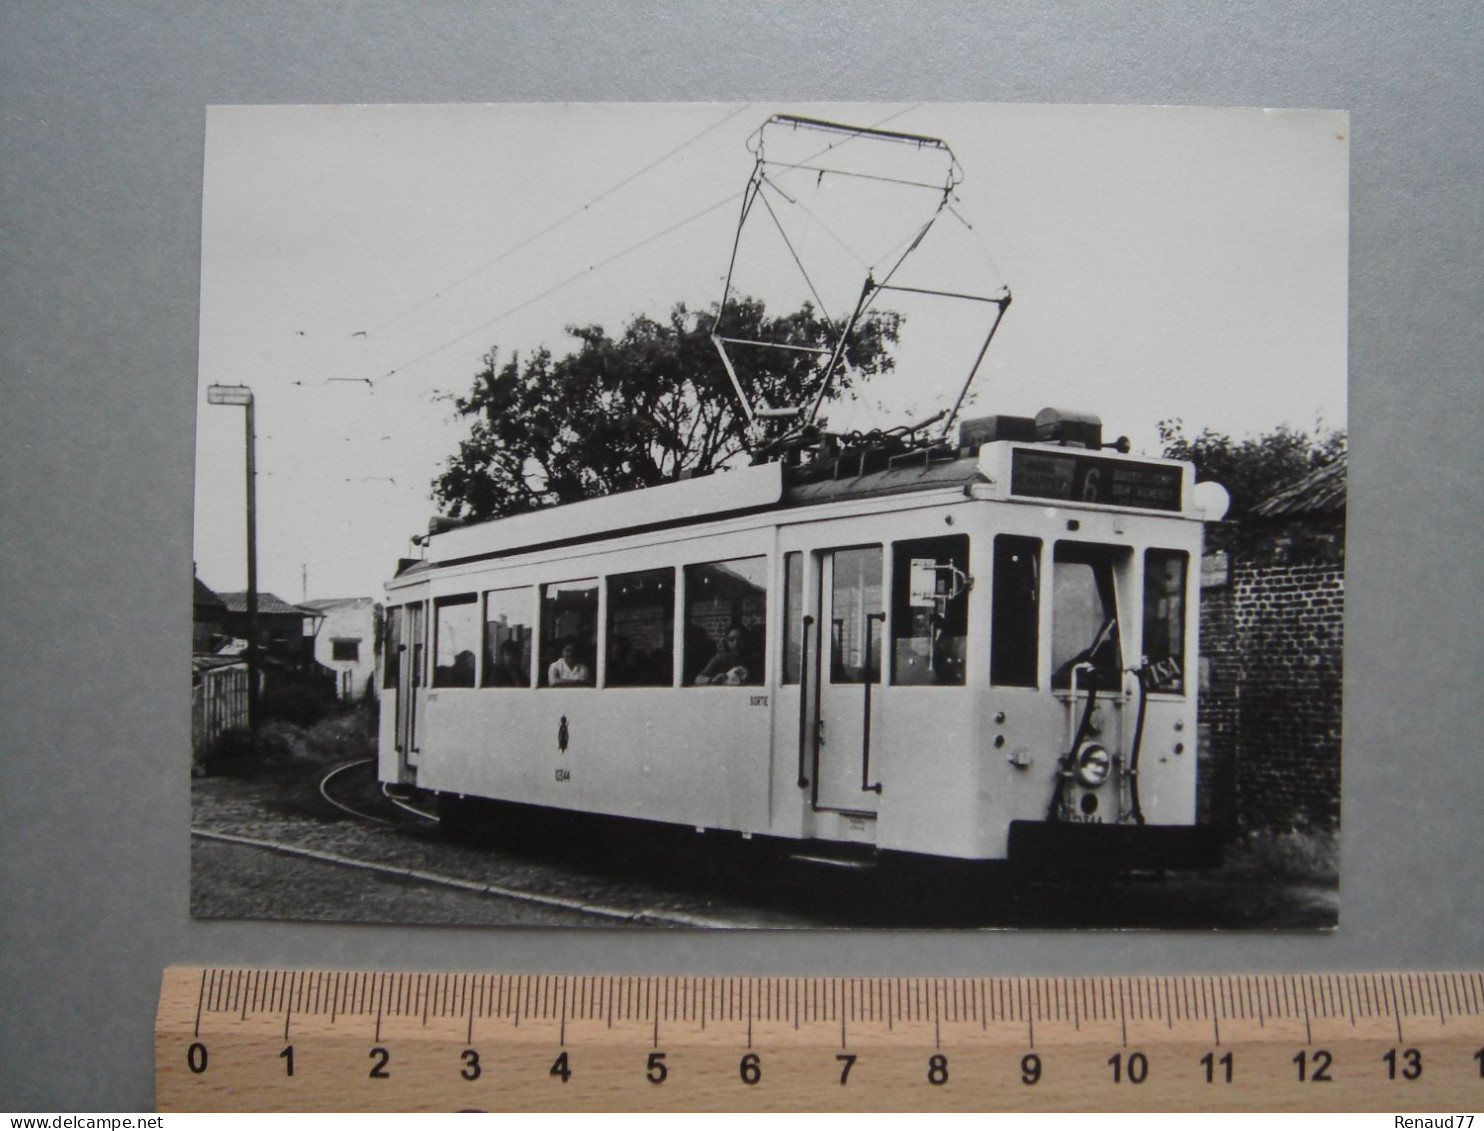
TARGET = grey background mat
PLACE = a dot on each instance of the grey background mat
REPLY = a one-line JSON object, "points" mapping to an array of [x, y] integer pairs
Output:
{"points": [[100, 175]]}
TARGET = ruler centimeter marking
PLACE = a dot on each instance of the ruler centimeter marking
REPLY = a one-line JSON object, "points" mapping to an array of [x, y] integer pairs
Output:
{"points": [[302, 1040]]}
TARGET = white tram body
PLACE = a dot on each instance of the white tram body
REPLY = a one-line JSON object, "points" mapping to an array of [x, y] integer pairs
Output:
{"points": [[925, 640]]}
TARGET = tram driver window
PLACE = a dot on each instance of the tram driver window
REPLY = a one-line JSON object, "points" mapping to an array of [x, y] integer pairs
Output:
{"points": [[456, 625], [726, 610], [1164, 619], [507, 638], [1084, 617], [1015, 615], [930, 610], [641, 629], [569, 633]]}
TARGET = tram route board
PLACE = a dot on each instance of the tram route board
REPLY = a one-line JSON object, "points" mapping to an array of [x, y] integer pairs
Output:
{"points": [[302, 1040]]}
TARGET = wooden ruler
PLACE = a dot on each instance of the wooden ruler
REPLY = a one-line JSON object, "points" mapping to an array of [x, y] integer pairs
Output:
{"points": [[300, 1040]]}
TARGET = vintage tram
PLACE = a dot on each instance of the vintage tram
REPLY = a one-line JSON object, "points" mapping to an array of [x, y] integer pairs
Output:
{"points": [[983, 650]]}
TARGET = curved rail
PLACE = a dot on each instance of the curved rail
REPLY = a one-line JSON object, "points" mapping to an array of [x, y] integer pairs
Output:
{"points": [[402, 804], [361, 815]]}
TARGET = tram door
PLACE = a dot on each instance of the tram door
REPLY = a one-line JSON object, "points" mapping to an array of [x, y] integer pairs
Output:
{"points": [[851, 617], [411, 656]]}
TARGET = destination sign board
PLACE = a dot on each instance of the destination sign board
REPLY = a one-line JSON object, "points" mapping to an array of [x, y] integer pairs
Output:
{"points": [[1075, 477]]}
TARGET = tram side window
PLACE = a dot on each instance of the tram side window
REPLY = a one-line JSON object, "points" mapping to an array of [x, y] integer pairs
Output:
{"points": [[930, 610], [793, 615], [1164, 619], [507, 638], [569, 633], [1084, 616], [1015, 628], [726, 609], [641, 629], [457, 627], [391, 668]]}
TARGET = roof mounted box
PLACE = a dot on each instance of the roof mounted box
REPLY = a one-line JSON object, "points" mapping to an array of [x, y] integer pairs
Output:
{"points": [[987, 429], [1058, 426]]}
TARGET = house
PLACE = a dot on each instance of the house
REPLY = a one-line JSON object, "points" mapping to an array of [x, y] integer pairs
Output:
{"points": [[347, 642], [285, 632], [1272, 641], [208, 618]]}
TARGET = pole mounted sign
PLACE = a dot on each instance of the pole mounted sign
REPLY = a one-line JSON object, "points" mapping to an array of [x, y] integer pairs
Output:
{"points": [[228, 394]]}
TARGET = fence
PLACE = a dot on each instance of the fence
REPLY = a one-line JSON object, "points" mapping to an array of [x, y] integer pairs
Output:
{"points": [[218, 701]]}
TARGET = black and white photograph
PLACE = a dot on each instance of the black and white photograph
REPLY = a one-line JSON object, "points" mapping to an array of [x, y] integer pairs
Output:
{"points": [[742, 515]]}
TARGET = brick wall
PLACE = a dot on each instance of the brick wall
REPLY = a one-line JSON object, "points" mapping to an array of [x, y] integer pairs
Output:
{"points": [[1272, 640]]}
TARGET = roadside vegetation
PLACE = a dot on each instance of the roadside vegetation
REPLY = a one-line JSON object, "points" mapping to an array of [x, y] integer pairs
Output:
{"points": [[1301, 855], [285, 745]]}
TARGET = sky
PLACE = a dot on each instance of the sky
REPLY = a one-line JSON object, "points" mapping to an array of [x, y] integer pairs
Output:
{"points": [[359, 262]]}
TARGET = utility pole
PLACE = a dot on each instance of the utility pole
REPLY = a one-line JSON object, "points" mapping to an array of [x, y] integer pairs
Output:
{"points": [[241, 395]]}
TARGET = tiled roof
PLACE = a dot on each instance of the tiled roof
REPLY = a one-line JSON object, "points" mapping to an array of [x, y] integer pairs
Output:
{"points": [[203, 661], [203, 595], [1321, 492], [325, 604], [267, 603]]}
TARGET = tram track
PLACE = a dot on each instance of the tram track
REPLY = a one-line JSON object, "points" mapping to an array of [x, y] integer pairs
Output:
{"points": [[424, 819]]}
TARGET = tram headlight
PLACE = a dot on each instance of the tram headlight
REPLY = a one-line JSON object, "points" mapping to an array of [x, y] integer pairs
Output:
{"points": [[1093, 765]]}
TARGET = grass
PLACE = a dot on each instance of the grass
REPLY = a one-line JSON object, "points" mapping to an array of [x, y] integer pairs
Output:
{"points": [[1310, 855], [340, 736]]}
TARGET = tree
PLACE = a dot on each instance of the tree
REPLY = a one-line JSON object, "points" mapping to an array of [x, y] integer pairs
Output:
{"points": [[1254, 468], [639, 409]]}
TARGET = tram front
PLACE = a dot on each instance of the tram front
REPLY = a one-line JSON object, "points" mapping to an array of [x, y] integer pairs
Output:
{"points": [[1094, 647]]}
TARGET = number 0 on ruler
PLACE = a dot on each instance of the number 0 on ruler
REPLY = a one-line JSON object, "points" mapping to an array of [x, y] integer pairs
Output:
{"points": [[296, 1040]]}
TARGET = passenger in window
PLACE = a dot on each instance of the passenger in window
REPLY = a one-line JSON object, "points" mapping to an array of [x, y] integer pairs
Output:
{"points": [[509, 672], [567, 670], [734, 663], [462, 672]]}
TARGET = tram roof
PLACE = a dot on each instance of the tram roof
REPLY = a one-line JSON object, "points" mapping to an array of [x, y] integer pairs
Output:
{"points": [[746, 490], [650, 508], [738, 491], [914, 475]]}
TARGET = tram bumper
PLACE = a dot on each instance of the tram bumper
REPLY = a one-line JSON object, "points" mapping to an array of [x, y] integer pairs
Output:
{"points": [[1084, 848]]}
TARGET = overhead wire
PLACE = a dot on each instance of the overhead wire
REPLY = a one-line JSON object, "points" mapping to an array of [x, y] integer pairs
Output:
{"points": [[584, 273], [625, 251], [559, 221]]}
